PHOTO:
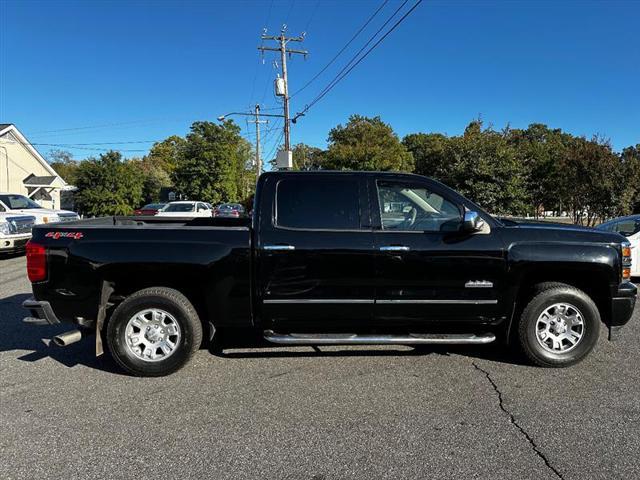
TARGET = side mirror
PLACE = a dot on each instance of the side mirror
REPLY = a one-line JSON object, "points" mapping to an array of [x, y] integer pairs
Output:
{"points": [[472, 222]]}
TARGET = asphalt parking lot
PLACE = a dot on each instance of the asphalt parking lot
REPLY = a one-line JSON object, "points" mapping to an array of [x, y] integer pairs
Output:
{"points": [[345, 412]]}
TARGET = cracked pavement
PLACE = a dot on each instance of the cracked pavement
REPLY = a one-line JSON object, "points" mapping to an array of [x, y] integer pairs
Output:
{"points": [[345, 412]]}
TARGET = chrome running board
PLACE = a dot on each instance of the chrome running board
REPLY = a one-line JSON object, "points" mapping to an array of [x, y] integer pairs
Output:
{"points": [[354, 339]]}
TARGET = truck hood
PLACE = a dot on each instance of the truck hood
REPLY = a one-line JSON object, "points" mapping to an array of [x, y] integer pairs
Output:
{"points": [[40, 211], [548, 231], [45, 215]]}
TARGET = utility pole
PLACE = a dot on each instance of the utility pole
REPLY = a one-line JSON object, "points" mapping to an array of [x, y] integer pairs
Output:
{"points": [[257, 121], [282, 48], [256, 114]]}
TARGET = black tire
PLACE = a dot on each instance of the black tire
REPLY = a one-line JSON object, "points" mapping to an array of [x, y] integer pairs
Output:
{"points": [[546, 296], [541, 287], [167, 300]]}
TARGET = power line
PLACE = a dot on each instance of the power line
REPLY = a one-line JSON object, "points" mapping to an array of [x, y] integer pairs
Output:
{"points": [[341, 75], [93, 143], [293, 3], [99, 149], [275, 146], [371, 17], [91, 127], [255, 76], [282, 41], [368, 42], [266, 130], [270, 136], [313, 14]]}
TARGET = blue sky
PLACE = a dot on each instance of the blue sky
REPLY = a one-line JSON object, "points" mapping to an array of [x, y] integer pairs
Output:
{"points": [[75, 72]]}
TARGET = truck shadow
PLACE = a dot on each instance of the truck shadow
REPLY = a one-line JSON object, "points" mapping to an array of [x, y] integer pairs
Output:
{"points": [[36, 339]]}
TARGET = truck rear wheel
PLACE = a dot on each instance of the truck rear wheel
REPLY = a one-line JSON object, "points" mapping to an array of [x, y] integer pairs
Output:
{"points": [[559, 326], [154, 332]]}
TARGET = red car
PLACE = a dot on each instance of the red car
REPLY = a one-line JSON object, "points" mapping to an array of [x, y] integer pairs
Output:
{"points": [[150, 209]]}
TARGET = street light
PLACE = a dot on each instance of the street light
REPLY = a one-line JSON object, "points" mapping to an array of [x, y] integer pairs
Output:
{"points": [[247, 114]]}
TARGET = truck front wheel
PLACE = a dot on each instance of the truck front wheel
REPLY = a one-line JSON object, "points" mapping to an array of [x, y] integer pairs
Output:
{"points": [[154, 332], [559, 326]]}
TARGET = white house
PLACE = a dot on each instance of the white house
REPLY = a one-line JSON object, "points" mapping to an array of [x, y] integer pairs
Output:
{"points": [[23, 170]]}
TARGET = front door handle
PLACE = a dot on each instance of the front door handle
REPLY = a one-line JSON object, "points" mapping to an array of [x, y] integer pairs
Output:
{"points": [[274, 248], [394, 248]]}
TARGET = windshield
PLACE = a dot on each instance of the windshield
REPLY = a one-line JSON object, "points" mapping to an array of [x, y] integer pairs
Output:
{"points": [[230, 206], [154, 206], [15, 202], [179, 207]]}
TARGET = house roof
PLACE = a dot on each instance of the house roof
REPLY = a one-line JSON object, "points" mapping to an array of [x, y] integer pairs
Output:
{"points": [[35, 181], [10, 127]]}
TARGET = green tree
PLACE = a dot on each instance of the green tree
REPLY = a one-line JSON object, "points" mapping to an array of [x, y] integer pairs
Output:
{"points": [[430, 153], [212, 163], [154, 178], [366, 143], [245, 172], [306, 157], [167, 153], [485, 168], [542, 151], [630, 159], [593, 186], [64, 165], [108, 185]]}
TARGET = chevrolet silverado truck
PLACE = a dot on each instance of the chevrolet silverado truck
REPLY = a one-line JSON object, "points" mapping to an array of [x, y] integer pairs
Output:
{"points": [[330, 258]]}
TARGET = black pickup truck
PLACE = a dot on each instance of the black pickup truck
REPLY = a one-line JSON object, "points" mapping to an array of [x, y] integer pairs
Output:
{"points": [[331, 258]]}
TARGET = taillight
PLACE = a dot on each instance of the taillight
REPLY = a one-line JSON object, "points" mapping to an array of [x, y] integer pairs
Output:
{"points": [[626, 261], [36, 262]]}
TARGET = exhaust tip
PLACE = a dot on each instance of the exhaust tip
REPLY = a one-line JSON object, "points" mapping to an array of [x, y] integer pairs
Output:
{"points": [[66, 339]]}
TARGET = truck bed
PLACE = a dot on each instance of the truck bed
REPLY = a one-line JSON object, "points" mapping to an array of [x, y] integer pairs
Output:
{"points": [[159, 222], [208, 256]]}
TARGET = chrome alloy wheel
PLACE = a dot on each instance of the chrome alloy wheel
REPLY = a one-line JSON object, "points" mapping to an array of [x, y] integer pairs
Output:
{"points": [[152, 335], [560, 328]]}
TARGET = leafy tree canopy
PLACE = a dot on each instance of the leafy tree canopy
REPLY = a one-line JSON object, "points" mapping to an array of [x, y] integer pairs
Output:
{"points": [[64, 165], [166, 154], [213, 163], [366, 143], [306, 157], [108, 185]]}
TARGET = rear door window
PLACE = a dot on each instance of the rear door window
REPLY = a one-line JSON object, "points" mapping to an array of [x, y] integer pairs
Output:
{"points": [[318, 203]]}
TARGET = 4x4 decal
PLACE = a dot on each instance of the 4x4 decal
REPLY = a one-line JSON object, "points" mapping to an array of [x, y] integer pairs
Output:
{"points": [[58, 235]]}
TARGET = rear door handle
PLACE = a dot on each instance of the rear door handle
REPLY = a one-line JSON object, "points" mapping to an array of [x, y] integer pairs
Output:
{"points": [[274, 248], [394, 248]]}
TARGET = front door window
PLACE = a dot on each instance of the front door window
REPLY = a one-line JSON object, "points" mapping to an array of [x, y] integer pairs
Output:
{"points": [[414, 208]]}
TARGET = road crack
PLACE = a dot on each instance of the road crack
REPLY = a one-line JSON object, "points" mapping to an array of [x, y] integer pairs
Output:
{"points": [[514, 422]]}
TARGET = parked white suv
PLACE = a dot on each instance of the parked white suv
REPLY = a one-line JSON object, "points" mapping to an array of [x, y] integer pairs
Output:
{"points": [[21, 205], [628, 227], [186, 209], [15, 231]]}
